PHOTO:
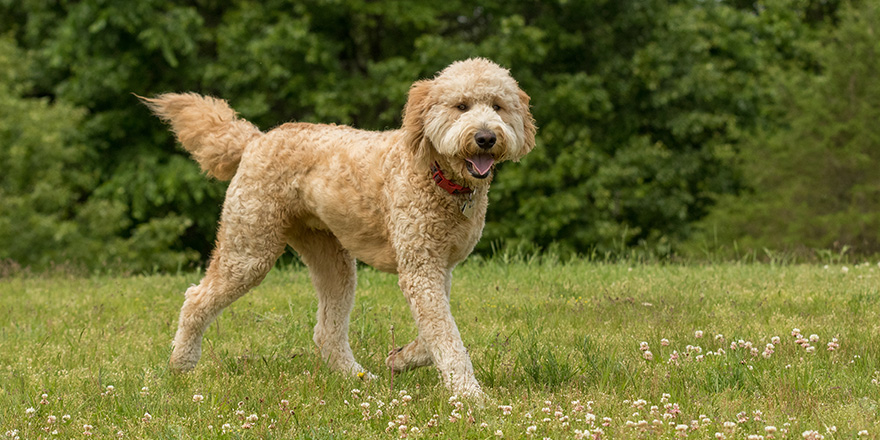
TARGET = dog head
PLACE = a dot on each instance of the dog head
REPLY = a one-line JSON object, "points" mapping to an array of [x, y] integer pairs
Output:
{"points": [[471, 116]]}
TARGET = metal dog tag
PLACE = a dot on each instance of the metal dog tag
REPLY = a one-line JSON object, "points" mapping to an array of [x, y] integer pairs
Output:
{"points": [[467, 208]]}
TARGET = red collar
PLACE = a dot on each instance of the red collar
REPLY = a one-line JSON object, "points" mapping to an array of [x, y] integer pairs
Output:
{"points": [[448, 185]]}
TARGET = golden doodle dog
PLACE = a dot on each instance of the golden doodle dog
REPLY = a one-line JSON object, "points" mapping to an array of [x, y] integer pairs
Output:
{"points": [[410, 201]]}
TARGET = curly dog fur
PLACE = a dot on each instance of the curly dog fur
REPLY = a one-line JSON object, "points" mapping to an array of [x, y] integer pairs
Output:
{"points": [[336, 194]]}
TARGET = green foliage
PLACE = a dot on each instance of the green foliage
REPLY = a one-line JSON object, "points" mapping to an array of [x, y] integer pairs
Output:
{"points": [[641, 105], [44, 172], [46, 214], [815, 183], [639, 134]]}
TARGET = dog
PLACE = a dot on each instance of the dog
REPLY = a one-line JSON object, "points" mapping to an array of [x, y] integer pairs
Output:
{"points": [[410, 201]]}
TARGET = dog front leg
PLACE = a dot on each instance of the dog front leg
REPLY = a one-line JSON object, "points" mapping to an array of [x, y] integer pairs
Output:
{"points": [[415, 354], [425, 291]]}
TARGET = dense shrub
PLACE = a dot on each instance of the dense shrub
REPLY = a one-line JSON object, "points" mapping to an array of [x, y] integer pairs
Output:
{"points": [[814, 181], [642, 107]]}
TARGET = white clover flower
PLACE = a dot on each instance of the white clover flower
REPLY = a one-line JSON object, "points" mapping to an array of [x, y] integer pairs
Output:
{"points": [[698, 334], [812, 435], [198, 398]]}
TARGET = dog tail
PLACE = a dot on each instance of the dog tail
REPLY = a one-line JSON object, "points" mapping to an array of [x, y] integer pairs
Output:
{"points": [[208, 128]]}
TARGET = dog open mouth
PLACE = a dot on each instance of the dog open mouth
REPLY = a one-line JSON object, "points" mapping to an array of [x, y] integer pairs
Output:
{"points": [[480, 165]]}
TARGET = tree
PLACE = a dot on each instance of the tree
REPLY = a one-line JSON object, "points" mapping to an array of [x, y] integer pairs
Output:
{"points": [[815, 183], [641, 105]]}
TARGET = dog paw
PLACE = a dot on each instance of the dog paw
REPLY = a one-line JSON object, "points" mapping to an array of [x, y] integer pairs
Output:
{"points": [[477, 396], [180, 367], [472, 393], [397, 361], [182, 361], [407, 357]]}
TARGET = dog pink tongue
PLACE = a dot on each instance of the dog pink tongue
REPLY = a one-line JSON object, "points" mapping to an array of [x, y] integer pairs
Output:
{"points": [[481, 162]]}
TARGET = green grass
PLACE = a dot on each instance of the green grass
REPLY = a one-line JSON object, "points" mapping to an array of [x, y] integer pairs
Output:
{"points": [[537, 333]]}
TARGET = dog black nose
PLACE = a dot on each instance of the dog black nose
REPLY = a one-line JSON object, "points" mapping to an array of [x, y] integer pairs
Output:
{"points": [[485, 139]]}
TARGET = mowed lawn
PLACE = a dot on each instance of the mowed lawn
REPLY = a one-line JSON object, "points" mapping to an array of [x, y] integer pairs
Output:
{"points": [[576, 350]]}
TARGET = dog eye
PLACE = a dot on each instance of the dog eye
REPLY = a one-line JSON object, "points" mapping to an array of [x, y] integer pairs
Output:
{"points": [[496, 107], [463, 107]]}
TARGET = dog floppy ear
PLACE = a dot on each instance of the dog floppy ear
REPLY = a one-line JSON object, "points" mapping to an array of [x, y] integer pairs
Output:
{"points": [[414, 113], [529, 128]]}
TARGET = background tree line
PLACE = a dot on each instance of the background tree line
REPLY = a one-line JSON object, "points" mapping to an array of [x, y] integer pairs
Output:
{"points": [[664, 127]]}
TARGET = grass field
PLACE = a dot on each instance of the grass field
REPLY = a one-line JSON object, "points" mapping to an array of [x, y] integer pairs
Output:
{"points": [[575, 350]]}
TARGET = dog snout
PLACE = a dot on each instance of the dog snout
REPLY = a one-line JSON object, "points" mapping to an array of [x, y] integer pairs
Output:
{"points": [[485, 139]]}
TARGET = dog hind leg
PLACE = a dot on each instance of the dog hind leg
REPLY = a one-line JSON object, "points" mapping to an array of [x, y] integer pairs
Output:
{"points": [[334, 277], [247, 247]]}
